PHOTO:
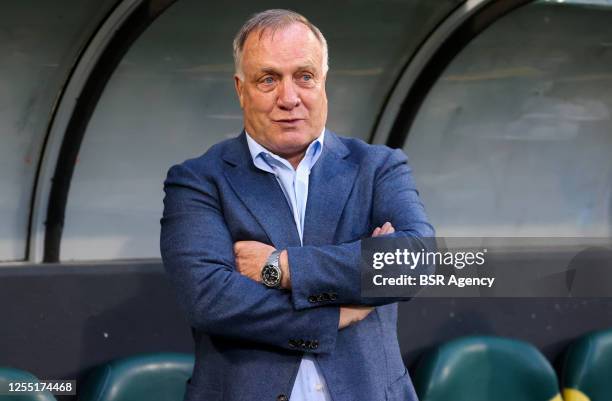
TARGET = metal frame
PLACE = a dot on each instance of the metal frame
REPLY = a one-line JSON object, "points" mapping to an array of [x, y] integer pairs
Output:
{"points": [[69, 121], [424, 69]]}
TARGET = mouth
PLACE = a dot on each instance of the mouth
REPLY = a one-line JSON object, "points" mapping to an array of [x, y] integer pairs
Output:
{"points": [[288, 121]]}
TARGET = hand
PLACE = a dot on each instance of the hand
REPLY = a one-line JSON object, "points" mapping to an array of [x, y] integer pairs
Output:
{"points": [[387, 228], [251, 256], [352, 314]]}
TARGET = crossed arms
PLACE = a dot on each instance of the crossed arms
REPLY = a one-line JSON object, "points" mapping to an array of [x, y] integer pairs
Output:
{"points": [[252, 255], [198, 253]]}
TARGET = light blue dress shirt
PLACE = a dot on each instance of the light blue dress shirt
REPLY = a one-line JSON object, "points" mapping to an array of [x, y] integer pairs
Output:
{"points": [[309, 384]]}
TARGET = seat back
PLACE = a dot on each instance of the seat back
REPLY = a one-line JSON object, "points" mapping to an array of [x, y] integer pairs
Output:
{"points": [[485, 369], [587, 368], [11, 375], [151, 377]]}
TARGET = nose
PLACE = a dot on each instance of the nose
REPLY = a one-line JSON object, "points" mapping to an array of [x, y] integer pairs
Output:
{"points": [[288, 96]]}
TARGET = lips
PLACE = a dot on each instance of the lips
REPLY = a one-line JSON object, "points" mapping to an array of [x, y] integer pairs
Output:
{"points": [[288, 120]]}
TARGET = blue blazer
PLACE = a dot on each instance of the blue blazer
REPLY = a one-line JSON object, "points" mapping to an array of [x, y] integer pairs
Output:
{"points": [[249, 339]]}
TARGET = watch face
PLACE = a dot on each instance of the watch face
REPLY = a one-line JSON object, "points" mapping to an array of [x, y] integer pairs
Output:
{"points": [[270, 276]]}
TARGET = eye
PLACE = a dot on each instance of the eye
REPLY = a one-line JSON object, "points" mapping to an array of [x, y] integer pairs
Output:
{"points": [[268, 80], [267, 83], [306, 77]]}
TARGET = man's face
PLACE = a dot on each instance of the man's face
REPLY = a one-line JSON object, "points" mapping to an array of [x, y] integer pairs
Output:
{"points": [[283, 92]]}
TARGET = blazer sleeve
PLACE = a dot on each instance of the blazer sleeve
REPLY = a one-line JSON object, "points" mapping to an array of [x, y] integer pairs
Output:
{"points": [[335, 269], [197, 252]]}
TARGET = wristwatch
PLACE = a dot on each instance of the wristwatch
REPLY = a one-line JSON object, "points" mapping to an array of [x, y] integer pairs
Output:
{"points": [[271, 273]]}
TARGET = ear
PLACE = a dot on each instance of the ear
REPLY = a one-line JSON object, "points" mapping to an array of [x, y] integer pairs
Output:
{"points": [[239, 85]]}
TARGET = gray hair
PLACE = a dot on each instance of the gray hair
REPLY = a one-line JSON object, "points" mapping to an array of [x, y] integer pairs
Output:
{"points": [[273, 19]]}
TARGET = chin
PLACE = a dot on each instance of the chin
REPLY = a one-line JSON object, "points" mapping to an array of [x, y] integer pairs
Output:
{"points": [[301, 141], [290, 146]]}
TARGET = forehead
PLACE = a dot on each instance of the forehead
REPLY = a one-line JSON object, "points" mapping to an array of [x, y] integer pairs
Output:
{"points": [[283, 47]]}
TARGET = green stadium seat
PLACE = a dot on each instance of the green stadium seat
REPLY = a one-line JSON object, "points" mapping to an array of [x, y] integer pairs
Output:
{"points": [[150, 377], [11, 375], [485, 369], [587, 368]]}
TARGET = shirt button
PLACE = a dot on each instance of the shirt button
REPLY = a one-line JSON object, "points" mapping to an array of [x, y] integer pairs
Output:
{"points": [[282, 397], [319, 387]]}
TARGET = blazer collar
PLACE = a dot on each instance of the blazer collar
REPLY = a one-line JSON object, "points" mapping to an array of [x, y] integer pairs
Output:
{"points": [[330, 184], [237, 150]]}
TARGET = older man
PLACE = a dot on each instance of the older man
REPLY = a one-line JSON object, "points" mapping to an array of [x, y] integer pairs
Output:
{"points": [[261, 236]]}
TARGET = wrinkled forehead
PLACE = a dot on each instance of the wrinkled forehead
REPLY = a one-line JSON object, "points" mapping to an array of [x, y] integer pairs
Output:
{"points": [[295, 38]]}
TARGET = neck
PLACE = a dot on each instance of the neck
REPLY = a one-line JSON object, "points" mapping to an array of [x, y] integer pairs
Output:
{"points": [[295, 159]]}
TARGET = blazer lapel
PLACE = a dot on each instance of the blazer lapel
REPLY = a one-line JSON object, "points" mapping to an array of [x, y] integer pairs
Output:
{"points": [[261, 194], [330, 183]]}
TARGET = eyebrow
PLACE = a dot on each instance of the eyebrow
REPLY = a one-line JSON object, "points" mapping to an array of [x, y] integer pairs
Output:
{"points": [[272, 70], [269, 70]]}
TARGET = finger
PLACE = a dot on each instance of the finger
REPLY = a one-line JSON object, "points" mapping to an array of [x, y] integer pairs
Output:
{"points": [[376, 232], [388, 228]]}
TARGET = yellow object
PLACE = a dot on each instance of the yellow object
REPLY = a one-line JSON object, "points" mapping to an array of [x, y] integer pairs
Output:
{"points": [[570, 394]]}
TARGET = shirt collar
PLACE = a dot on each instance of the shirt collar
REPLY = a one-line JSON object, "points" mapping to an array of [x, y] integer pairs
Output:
{"points": [[312, 152]]}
